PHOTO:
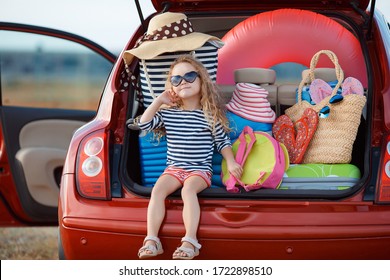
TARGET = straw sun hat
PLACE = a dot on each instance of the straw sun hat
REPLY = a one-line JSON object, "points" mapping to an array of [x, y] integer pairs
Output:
{"points": [[168, 32]]}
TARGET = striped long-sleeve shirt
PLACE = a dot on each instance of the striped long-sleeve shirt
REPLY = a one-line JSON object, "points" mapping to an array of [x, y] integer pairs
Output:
{"points": [[190, 139]]}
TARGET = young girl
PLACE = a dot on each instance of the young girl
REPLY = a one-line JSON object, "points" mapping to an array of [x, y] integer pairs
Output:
{"points": [[191, 115]]}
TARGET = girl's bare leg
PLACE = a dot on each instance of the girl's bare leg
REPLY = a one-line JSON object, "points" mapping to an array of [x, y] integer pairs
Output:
{"points": [[164, 186], [191, 209]]}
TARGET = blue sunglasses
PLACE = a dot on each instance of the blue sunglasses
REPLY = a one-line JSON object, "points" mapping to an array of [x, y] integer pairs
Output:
{"points": [[189, 77]]}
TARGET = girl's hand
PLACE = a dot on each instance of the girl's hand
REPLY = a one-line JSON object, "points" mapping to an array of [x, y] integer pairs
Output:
{"points": [[235, 169], [168, 97]]}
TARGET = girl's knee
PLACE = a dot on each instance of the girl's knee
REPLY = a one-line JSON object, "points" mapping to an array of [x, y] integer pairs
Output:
{"points": [[188, 193], [158, 193], [193, 186]]}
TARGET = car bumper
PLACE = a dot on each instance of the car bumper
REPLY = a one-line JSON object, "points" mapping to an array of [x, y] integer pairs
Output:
{"points": [[83, 243], [115, 229]]}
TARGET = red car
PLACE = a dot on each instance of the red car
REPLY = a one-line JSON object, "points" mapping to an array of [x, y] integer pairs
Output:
{"points": [[332, 211]]}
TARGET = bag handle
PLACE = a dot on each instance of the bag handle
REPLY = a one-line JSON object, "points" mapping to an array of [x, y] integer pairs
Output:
{"points": [[244, 148], [313, 63], [241, 155]]}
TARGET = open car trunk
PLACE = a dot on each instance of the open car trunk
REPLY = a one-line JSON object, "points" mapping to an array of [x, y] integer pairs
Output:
{"points": [[143, 160]]}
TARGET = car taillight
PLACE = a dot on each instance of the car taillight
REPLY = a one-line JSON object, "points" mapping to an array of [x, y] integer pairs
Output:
{"points": [[92, 172], [383, 192]]}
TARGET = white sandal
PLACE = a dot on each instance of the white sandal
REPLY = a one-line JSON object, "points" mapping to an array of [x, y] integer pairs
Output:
{"points": [[190, 253], [154, 249]]}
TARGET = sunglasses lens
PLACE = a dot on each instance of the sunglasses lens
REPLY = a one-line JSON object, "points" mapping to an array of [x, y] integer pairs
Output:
{"points": [[176, 80], [190, 76], [336, 99], [324, 112]]}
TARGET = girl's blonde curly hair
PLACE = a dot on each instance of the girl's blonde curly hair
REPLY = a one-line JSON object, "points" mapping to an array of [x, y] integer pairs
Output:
{"points": [[211, 101]]}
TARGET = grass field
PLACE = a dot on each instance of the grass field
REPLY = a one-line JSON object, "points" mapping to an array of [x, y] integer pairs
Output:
{"points": [[28, 243], [54, 94]]}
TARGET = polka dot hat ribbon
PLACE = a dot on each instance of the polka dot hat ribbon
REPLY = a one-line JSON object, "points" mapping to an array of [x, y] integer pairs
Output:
{"points": [[172, 30]]}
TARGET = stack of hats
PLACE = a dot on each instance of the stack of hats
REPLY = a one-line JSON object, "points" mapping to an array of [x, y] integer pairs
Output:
{"points": [[249, 106]]}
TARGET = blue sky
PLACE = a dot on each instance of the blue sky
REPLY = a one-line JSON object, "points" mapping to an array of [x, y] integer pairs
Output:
{"points": [[108, 23]]}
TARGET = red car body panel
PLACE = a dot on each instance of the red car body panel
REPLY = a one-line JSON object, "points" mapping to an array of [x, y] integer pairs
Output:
{"points": [[383, 56], [276, 230], [11, 210]]}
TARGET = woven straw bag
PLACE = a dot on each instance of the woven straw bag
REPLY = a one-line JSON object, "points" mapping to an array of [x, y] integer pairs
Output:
{"points": [[333, 140]]}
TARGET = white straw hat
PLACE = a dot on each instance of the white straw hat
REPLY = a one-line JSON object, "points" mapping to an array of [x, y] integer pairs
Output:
{"points": [[168, 32], [250, 102]]}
